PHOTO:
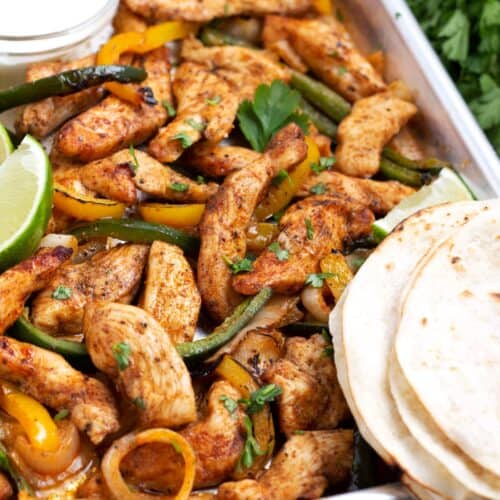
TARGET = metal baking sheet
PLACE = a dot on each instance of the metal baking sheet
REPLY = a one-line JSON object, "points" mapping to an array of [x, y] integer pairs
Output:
{"points": [[445, 122]]}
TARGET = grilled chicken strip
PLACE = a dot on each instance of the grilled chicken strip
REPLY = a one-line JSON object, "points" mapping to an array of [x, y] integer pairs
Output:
{"points": [[151, 374], [217, 439], [170, 293], [30, 275], [311, 398], [206, 10], [215, 160], [51, 380], [379, 197], [113, 124], [113, 275], [371, 124], [125, 20], [41, 118], [325, 46], [303, 468], [227, 217], [333, 220]]}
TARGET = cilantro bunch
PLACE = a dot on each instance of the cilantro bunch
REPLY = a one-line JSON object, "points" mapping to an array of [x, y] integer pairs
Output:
{"points": [[466, 35]]}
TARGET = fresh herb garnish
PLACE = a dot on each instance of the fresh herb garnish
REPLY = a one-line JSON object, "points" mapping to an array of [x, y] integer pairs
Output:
{"points": [[139, 403], [327, 352], [176, 446], [62, 293], [238, 265], [319, 188], [273, 107], [185, 140], [251, 449], [342, 70], [316, 279], [310, 229], [260, 397], [200, 179], [61, 414], [121, 352], [280, 177], [135, 163], [298, 432], [280, 253], [170, 109], [198, 126], [214, 100], [230, 405], [179, 187], [325, 163]]}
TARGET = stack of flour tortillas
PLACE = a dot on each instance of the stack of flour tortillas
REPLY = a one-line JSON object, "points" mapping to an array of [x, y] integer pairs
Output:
{"points": [[417, 348]]}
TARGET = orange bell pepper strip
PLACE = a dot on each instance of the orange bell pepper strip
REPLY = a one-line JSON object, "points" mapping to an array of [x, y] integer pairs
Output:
{"points": [[278, 197], [172, 215], [139, 43], [262, 421], [85, 207], [35, 420], [261, 235], [336, 265], [324, 7]]}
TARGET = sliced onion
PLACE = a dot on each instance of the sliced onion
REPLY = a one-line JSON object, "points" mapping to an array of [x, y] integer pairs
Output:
{"points": [[121, 447], [314, 301], [59, 240]]}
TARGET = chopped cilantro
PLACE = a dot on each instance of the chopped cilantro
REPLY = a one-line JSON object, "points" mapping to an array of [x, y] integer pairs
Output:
{"points": [[239, 265], [200, 179], [342, 70], [319, 188], [259, 398], [230, 405], [251, 449], [280, 177], [170, 109], [316, 279], [198, 126], [139, 403], [214, 100], [280, 253], [310, 229], [61, 414], [121, 352], [179, 187], [62, 293], [186, 141], [135, 163], [325, 163], [298, 432]]}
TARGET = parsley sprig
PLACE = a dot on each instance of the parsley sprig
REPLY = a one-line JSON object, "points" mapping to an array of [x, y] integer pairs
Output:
{"points": [[316, 279], [121, 353], [259, 398], [281, 253], [251, 449], [239, 265], [325, 163]]}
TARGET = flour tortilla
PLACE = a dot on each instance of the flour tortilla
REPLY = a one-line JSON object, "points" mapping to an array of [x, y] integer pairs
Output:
{"points": [[448, 340], [369, 322]]}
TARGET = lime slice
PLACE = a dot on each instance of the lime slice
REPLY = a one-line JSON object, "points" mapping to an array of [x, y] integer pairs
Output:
{"points": [[26, 201], [448, 187], [6, 146]]}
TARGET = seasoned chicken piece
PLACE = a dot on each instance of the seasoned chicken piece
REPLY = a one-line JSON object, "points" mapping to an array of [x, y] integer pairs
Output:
{"points": [[215, 160], [206, 10], [333, 220], [113, 124], [30, 275], [407, 143], [113, 275], [228, 213], [170, 294], [217, 439], [47, 377], [150, 373], [312, 398], [378, 196], [325, 46], [6, 490], [125, 20], [67, 173], [362, 135], [259, 350], [41, 118], [303, 468]]}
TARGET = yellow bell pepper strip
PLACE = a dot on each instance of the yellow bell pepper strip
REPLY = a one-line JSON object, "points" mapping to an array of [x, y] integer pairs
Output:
{"points": [[121, 447], [278, 197], [336, 265], [172, 215], [85, 207], [324, 7], [262, 421], [139, 43], [35, 420], [261, 235]]}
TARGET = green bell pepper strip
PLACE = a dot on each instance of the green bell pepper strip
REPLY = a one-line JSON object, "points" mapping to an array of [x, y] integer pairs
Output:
{"points": [[212, 37], [432, 165], [404, 175], [68, 82], [200, 349], [6, 465], [137, 231], [321, 122]]}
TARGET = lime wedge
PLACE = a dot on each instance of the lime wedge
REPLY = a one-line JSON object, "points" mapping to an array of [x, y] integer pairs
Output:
{"points": [[6, 146], [448, 187], [26, 201]]}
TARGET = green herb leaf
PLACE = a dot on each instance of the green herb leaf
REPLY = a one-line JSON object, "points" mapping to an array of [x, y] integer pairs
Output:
{"points": [[198, 126], [280, 177], [251, 449], [61, 414], [214, 100], [325, 163], [280, 253], [200, 179], [319, 188], [179, 187], [135, 163], [239, 265], [327, 352], [316, 279], [310, 229], [273, 107], [185, 140], [230, 405], [62, 293], [177, 447], [259, 398], [170, 109], [121, 352], [298, 432], [139, 403], [342, 70]]}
